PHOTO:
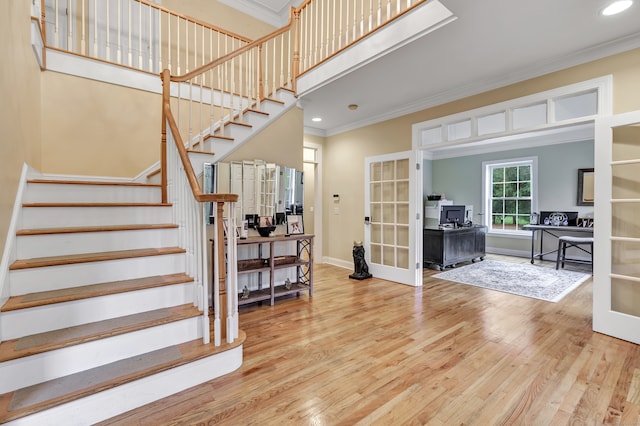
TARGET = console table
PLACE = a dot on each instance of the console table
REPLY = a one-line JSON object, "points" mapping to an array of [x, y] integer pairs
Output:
{"points": [[554, 231], [448, 246], [301, 260]]}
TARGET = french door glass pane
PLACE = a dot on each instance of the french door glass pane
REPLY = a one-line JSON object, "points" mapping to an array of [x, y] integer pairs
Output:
{"points": [[402, 169], [625, 226]]}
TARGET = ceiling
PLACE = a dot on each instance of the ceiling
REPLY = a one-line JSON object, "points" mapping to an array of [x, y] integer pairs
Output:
{"points": [[492, 43]]}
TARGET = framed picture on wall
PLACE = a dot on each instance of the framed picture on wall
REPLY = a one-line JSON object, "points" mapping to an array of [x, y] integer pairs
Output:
{"points": [[294, 224]]}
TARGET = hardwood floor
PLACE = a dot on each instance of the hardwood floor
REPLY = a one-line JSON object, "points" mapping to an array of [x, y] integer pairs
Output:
{"points": [[375, 352]]}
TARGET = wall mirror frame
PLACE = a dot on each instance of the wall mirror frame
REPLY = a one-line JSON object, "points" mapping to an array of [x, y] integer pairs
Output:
{"points": [[585, 187], [264, 189]]}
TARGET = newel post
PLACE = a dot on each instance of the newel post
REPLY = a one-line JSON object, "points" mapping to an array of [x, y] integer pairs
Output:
{"points": [[166, 93], [222, 273]]}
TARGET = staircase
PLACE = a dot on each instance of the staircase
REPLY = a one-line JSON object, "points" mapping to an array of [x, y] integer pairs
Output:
{"points": [[220, 143], [101, 316]]}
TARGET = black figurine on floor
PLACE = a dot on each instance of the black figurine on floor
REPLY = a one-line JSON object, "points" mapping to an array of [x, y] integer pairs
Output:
{"points": [[361, 270]]}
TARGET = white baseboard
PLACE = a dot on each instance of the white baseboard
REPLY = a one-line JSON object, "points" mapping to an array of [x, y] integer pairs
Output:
{"points": [[337, 262]]}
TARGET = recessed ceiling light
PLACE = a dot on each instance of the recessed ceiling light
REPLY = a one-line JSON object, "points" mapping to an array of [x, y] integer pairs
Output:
{"points": [[316, 119], [617, 7]]}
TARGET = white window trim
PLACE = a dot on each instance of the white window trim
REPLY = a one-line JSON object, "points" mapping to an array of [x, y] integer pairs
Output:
{"points": [[486, 191]]}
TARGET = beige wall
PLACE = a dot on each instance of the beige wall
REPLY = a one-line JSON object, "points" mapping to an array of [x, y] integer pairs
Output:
{"points": [[279, 143], [344, 153], [95, 128], [19, 110], [220, 15]]}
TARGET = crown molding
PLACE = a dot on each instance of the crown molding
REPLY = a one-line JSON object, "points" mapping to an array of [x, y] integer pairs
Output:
{"points": [[577, 58], [256, 10]]}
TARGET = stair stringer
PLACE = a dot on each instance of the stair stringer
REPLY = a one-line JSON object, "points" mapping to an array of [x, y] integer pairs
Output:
{"points": [[284, 101]]}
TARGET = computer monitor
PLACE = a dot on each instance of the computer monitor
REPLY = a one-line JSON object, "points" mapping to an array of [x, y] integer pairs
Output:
{"points": [[452, 215]]}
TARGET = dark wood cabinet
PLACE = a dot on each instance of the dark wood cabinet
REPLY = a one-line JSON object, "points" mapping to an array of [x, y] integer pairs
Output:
{"points": [[444, 247]]}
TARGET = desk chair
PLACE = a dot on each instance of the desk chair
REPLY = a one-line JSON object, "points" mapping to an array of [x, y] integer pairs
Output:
{"points": [[565, 241]]}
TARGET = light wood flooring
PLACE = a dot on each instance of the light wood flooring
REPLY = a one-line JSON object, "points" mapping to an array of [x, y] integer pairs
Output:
{"points": [[375, 352]]}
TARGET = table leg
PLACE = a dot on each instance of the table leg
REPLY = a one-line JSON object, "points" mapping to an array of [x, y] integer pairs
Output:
{"points": [[533, 244], [541, 244]]}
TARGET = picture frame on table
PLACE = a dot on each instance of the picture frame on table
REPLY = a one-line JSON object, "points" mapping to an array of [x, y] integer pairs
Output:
{"points": [[295, 224], [265, 221]]}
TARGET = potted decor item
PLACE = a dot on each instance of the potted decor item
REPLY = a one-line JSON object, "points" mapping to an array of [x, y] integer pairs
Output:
{"points": [[265, 226]]}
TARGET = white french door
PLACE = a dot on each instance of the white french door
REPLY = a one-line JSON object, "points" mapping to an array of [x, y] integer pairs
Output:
{"points": [[390, 218], [616, 282]]}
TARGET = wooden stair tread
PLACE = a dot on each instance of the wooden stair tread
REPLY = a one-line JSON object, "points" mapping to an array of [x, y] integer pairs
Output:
{"points": [[96, 204], [238, 123], [118, 373], [50, 297], [56, 339], [92, 257], [256, 111], [79, 229], [91, 182], [195, 151], [277, 101], [226, 138]]}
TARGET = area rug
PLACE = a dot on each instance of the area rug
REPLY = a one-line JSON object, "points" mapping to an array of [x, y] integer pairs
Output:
{"points": [[527, 280]]}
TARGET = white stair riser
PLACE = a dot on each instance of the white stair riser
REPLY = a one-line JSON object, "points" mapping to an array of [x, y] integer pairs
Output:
{"points": [[272, 108], [74, 193], [54, 364], [33, 280], [198, 160], [56, 217], [235, 131], [24, 322], [104, 405], [286, 96], [255, 119], [32, 246]]}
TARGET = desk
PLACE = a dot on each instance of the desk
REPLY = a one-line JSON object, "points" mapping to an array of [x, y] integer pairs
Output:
{"points": [[444, 247], [554, 231]]}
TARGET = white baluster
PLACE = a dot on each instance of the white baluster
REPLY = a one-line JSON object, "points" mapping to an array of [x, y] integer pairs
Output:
{"points": [[119, 32], [150, 41], [159, 12], [130, 52], [178, 46], [217, 330], [56, 26], [140, 36], [108, 46], [69, 27], [370, 15], [186, 46], [206, 335], [83, 20], [95, 29], [355, 21], [273, 75]]}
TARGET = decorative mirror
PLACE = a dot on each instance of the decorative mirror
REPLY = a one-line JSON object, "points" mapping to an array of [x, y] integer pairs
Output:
{"points": [[264, 189], [585, 187]]}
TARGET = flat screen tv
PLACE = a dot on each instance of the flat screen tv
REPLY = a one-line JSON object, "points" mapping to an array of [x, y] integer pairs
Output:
{"points": [[453, 215]]}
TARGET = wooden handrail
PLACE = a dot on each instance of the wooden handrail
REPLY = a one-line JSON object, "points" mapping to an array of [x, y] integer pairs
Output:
{"points": [[195, 21], [231, 55], [184, 158]]}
